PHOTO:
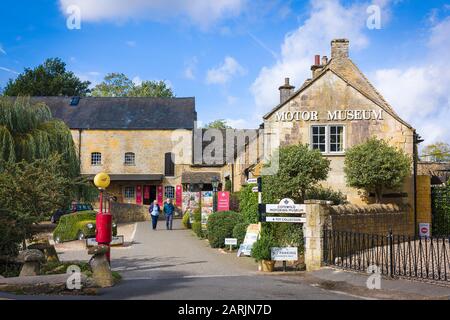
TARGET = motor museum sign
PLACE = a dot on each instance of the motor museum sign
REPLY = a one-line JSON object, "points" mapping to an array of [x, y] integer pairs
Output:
{"points": [[334, 115]]}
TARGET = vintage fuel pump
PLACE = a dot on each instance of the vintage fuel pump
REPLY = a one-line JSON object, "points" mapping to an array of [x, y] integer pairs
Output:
{"points": [[103, 233]]}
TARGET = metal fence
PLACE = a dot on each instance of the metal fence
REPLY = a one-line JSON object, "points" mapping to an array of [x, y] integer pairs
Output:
{"points": [[394, 255], [440, 206]]}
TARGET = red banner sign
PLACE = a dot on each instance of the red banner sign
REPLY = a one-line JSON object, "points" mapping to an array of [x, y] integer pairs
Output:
{"points": [[223, 201], [179, 196], [160, 195], [138, 194]]}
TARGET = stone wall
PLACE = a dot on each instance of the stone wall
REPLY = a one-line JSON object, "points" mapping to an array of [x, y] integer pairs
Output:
{"points": [[125, 212], [372, 219]]}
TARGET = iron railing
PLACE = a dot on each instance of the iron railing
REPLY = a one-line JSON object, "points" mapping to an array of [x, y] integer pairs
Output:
{"points": [[393, 255]]}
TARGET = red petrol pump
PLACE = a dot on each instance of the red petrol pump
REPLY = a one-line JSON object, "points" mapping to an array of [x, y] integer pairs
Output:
{"points": [[103, 232]]}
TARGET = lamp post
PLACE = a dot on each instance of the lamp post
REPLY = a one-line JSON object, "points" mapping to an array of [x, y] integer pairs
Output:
{"points": [[103, 232], [215, 185]]}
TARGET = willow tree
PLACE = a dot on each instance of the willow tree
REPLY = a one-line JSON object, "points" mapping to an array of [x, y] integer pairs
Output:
{"points": [[29, 132]]}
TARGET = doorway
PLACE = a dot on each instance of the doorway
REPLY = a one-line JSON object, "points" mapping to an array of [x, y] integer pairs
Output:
{"points": [[149, 194]]}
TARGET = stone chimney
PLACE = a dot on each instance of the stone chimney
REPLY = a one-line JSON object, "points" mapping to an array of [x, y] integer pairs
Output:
{"points": [[286, 90], [316, 67], [339, 48]]}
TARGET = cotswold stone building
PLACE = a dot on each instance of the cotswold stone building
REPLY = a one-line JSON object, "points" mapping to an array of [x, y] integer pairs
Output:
{"points": [[334, 110], [146, 145]]}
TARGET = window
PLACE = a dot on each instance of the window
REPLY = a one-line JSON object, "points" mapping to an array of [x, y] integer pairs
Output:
{"points": [[96, 159], [169, 164], [129, 193], [130, 159], [336, 138], [319, 138], [169, 192], [328, 139]]}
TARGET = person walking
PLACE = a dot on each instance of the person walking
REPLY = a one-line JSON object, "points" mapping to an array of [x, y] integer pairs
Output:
{"points": [[168, 211], [154, 213]]}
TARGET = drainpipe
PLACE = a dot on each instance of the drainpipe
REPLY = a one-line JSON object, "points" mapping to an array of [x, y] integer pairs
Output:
{"points": [[416, 140]]}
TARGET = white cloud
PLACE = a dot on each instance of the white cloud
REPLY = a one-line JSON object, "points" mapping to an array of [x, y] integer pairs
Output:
{"points": [[200, 12], [131, 43], [2, 50], [328, 19], [420, 93], [190, 68], [94, 77], [137, 81], [225, 72], [240, 123]]}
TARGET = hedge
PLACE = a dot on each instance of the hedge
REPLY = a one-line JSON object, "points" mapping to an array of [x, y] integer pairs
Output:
{"points": [[197, 229], [186, 220], [239, 232], [220, 226]]}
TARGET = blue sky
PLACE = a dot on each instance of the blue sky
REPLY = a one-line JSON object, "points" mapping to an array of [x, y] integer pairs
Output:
{"points": [[233, 54]]}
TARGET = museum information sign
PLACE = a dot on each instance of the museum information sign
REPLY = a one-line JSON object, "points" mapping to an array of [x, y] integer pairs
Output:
{"points": [[286, 206]]}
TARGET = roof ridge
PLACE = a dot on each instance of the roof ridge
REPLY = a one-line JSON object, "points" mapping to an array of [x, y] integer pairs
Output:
{"points": [[372, 86]]}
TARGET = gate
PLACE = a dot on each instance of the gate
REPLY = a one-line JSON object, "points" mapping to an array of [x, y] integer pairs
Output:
{"points": [[393, 255], [440, 209]]}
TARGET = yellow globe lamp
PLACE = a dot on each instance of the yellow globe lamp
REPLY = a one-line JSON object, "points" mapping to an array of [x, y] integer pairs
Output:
{"points": [[102, 180]]}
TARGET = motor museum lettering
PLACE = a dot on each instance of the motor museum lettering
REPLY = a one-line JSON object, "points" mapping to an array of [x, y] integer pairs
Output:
{"points": [[335, 115]]}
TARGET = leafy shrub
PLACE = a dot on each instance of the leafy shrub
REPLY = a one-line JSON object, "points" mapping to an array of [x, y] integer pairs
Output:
{"points": [[248, 204], [197, 215], [71, 224], [227, 185], [234, 202], [321, 193], [220, 226], [186, 220], [197, 229], [261, 250], [239, 232]]}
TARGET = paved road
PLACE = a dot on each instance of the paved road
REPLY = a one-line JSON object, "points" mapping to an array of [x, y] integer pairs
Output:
{"points": [[176, 265]]}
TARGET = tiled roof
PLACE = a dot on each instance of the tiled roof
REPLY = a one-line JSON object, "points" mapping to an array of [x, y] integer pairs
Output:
{"points": [[123, 113]]}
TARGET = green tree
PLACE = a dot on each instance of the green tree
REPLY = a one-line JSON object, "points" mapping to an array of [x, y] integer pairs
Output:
{"points": [[248, 204], [31, 191], [300, 168], [157, 89], [48, 79], [376, 166], [28, 132], [113, 85], [439, 151], [218, 124], [119, 85]]}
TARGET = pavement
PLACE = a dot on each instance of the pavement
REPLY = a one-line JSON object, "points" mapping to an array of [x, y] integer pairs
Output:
{"points": [[176, 265]]}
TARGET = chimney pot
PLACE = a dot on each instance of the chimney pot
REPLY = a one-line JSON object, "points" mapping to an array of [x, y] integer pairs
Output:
{"points": [[324, 60], [317, 60], [286, 90], [339, 48]]}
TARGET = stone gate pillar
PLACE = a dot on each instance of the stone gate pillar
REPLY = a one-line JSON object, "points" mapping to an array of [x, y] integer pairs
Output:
{"points": [[317, 212]]}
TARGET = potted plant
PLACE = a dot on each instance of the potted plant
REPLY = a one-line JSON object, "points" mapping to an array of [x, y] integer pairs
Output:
{"points": [[262, 252]]}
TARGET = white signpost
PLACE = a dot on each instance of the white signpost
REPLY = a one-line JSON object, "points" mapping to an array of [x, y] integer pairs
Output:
{"points": [[286, 219], [252, 181], [286, 206], [284, 254], [255, 189], [231, 242]]}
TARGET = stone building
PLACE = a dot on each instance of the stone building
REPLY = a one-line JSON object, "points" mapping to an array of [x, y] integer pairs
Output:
{"points": [[336, 109], [146, 145]]}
